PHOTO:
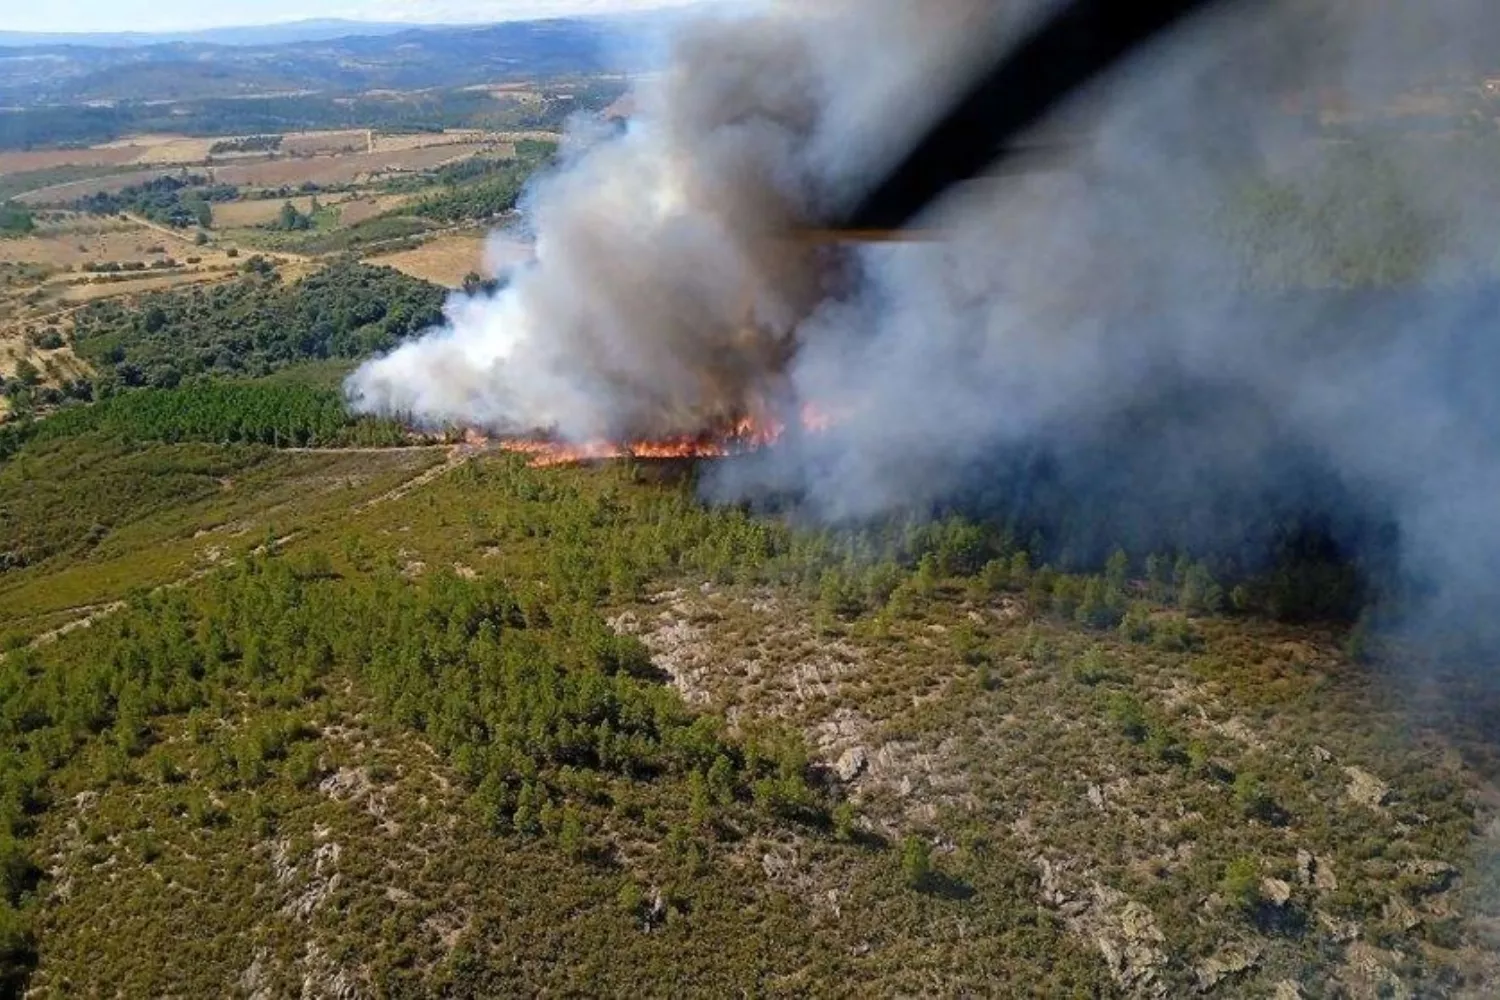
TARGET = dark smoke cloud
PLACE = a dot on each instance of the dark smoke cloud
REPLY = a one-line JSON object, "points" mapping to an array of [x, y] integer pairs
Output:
{"points": [[1193, 320]]}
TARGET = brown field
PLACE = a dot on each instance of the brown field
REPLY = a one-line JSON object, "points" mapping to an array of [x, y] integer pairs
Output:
{"points": [[444, 261], [46, 159], [314, 143], [69, 248], [424, 140], [63, 193], [176, 150], [353, 209], [447, 260], [342, 169], [357, 209], [237, 214], [146, 150], [148, 283]]}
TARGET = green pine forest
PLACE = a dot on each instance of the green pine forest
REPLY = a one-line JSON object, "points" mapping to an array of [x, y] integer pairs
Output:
{"points": [[299, 702]]}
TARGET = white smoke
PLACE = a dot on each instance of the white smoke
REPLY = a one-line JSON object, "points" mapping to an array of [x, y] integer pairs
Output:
{"points": [[665, 297]]}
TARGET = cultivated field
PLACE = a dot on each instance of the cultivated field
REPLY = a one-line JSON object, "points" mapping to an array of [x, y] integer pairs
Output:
{"points": [[448, 259], [355, 210], [93, 291], [90, 242], [144, 150], [62, 194], [424, 140], [326, 143], [177, 150], [46, 159], [344, 169], [259, 212]]}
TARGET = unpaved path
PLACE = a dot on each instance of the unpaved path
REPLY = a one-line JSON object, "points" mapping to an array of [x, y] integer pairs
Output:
{"points": [[457, 455]]}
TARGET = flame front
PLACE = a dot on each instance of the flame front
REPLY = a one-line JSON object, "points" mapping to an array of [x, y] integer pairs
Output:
{"points": [[747, 435]]}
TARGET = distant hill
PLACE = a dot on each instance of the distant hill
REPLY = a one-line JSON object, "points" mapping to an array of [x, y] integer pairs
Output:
{"points": [[311, 30], [242, 62]]}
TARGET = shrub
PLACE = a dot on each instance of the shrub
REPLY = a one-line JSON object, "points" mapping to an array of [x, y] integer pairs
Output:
{"points": [[1240, 885], [916, 861]]}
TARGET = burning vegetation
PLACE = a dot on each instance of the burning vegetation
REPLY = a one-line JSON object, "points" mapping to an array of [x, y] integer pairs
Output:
{"points": [[744, 436]]}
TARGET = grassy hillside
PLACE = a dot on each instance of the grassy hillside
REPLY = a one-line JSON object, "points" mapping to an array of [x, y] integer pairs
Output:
{"points": [[406, 751]]}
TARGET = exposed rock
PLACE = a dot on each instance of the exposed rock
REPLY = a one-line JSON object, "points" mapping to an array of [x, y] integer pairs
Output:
{"points": [[1365, 789], [1052, 890], [1316, 872], [1288, 990], [1275, 891], [1229, 962], [322, 980], [1322, 756], [346, 783], [1129, 940], [1365, 966], [254, 979], [1096, 796], [1399, 914], [851, 764], [1341, 931], [1434, 876], [322, 880], [777, 865]]}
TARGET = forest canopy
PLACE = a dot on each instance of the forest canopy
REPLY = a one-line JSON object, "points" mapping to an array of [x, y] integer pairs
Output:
{"points": [[254, 326]]}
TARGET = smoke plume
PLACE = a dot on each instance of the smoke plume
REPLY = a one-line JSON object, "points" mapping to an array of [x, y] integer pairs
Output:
{"points": [[1256, 282]]}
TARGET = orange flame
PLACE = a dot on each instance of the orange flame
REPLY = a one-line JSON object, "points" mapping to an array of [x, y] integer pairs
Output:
{"points": [[747, 435]]}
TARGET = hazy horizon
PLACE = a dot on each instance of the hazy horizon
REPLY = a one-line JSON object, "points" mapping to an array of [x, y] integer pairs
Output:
{"points": [[87, 17]]}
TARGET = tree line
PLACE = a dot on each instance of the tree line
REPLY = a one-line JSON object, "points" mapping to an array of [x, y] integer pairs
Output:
{"points": [[255, 325], [173, 200], [483, 189]]}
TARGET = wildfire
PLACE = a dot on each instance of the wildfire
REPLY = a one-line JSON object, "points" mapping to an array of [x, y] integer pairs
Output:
{"points": [[745, 436]]}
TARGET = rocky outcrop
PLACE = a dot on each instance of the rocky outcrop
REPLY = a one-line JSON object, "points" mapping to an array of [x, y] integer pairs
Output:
{"points": [[1365, 789], [1231, 961], [851, 764]]}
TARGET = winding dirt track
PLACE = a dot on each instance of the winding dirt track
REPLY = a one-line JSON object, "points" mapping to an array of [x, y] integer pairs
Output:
{"points": [[457, 455]]}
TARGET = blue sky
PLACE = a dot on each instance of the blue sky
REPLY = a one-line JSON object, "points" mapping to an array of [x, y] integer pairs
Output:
{"points": [[177, 15]]}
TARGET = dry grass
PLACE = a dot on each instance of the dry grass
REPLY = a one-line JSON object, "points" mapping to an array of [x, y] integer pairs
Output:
{"points": [[56, 366], [235, 214], [444, 261], [72, 248], [426, 140], [353, 209], [315, 143], [47, 159], [68, 250], [357, 210], [73, 190], [343, 169], [135, 286], [176, 150]]}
